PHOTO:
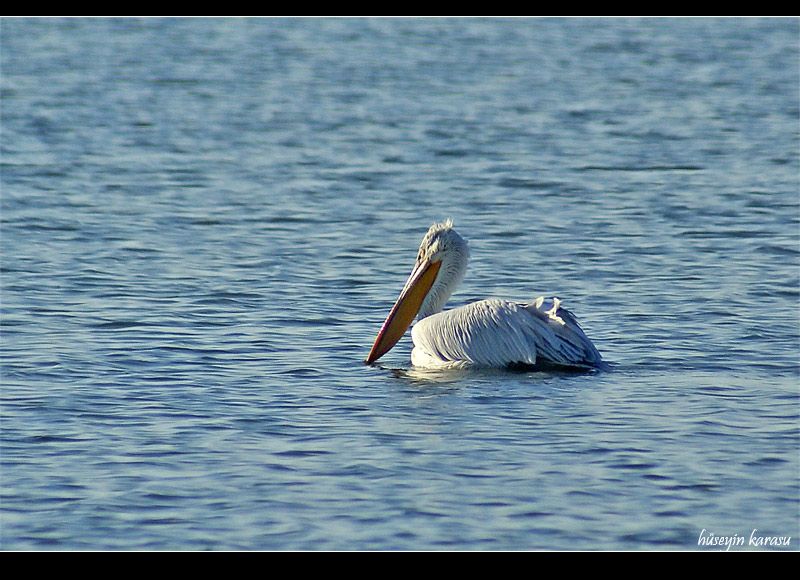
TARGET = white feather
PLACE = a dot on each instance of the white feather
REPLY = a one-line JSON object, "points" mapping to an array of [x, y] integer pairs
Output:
{"points": [[497, 333]]}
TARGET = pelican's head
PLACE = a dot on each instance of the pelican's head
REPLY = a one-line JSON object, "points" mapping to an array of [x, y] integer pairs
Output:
{"points": [[439, 268]]}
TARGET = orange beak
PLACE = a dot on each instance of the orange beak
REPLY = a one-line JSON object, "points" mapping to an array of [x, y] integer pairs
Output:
{"points": [[405, 309]]}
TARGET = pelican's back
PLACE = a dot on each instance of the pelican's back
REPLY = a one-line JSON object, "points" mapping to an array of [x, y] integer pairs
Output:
{"points": [[497, 333]]}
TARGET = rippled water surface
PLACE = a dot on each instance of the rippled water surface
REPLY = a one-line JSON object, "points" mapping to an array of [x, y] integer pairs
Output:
{"points": [[204, 223]]}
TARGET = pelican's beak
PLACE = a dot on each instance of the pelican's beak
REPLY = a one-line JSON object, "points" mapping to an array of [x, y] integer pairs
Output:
{"points": [[405, 309]]}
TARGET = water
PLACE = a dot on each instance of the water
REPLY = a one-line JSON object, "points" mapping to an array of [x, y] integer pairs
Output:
{"points": [[204, 223]]}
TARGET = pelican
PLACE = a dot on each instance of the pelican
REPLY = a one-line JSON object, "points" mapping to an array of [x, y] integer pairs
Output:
{"points": [[489, 333]]}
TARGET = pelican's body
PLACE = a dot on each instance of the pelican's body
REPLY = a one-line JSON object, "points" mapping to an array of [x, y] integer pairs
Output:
{"points": [[487, 333]]}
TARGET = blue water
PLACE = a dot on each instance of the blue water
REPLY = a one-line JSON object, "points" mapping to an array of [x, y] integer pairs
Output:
{"points": [[204, 223]]}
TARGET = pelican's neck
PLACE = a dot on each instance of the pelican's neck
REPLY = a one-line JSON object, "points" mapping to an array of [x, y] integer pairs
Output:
{"points": [[451, 273]]}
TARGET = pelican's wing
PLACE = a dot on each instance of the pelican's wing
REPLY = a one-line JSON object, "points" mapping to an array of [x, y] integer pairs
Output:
{"points": [[496, 333], [561, 339]]}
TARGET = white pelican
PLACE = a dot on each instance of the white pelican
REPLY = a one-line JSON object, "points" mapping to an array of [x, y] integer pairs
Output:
{"points": [[487, 333]]}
